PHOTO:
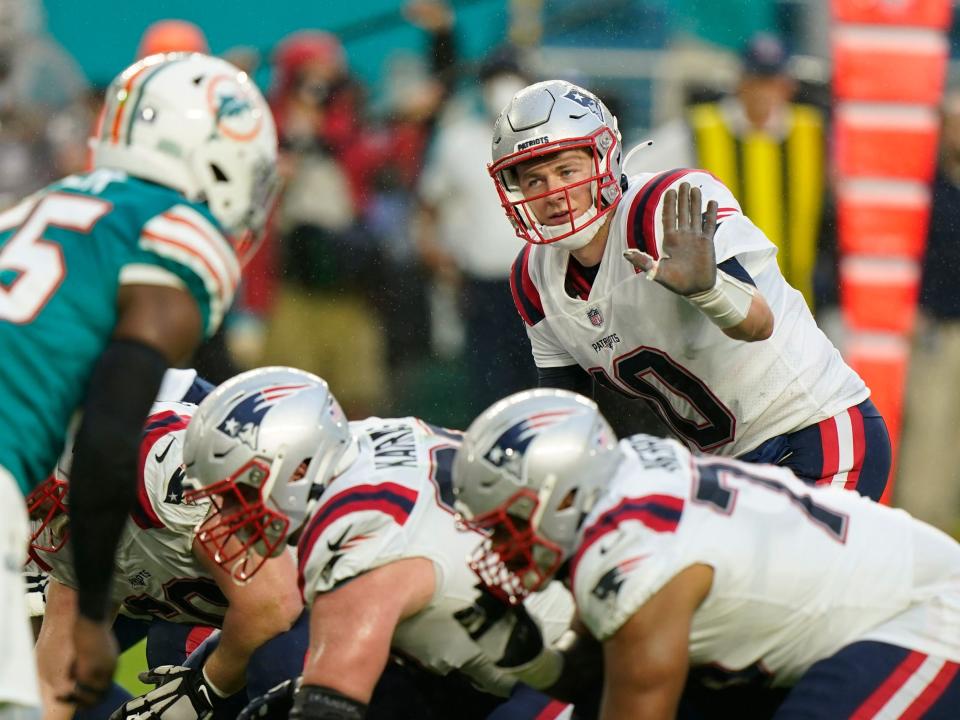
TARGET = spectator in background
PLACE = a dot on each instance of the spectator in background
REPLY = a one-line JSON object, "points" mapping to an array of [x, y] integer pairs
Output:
{"points": [[323, 320], [768, 150], [172, 35], [929, 468], [337, 224], [464, 242], [38, 80]]}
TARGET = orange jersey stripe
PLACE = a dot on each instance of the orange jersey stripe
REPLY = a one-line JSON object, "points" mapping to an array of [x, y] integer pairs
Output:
{"points": [[186, 248], [214, 243], [118, 115]]}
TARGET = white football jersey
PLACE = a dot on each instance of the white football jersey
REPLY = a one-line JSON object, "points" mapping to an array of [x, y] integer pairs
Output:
{"points": [[718, 395], [394, 502], [799, 572], [156, 573]]}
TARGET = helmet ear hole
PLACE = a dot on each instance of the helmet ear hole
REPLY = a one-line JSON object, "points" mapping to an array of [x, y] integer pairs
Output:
{"points": [[568, 500], [219, 174]]}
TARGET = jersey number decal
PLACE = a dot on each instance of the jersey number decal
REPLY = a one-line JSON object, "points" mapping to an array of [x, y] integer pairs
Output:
{"points": [[181, 595], [32, 267], [717, 424], [711, 488]]}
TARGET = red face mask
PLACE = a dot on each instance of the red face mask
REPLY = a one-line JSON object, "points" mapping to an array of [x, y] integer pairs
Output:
{"points": [[514, 561], [241, 532], [45, 504]]}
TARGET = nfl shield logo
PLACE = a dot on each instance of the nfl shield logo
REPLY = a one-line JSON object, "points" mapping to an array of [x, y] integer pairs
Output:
{"points": [[596, 318]]}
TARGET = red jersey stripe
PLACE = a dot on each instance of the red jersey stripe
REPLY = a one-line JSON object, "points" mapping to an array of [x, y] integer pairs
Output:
{"points": [[873, 704], [157, 426], [918, 708]]}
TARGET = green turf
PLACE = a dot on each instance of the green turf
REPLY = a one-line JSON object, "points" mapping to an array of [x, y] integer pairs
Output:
{"points": [[133, 661]]}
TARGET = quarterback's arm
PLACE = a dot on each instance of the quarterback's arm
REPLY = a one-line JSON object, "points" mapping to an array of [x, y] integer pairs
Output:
{"points": [[352, 626], [566, 377], [646, 659], [687, 266], [261, 609], [758, 324]]}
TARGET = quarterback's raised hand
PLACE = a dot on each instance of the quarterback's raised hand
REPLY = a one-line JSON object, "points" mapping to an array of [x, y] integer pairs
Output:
{"points": [[688, 263], [182, 693]]}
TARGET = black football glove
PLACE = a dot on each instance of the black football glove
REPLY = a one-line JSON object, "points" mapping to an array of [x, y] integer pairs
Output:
{"points": [[181, 694], [506, 633], [274, 704]]}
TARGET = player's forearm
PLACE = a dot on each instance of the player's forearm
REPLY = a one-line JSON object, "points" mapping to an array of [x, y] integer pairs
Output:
{"points": [[53, 663], [103, 478], [242, 634], [758, 325], [625, 703]]}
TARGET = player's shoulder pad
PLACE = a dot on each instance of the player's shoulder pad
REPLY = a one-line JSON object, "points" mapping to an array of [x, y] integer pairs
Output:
{"points": [[357, 526], [644, 222], [624, 557], [160, 471], [183, 236], [526, 296]]}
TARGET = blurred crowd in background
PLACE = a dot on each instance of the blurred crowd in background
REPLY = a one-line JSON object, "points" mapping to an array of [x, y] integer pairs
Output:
{"points": [[386, 265]]}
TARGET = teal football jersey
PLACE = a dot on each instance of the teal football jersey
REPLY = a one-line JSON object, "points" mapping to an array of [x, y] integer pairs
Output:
{"points": [[64, 253]]}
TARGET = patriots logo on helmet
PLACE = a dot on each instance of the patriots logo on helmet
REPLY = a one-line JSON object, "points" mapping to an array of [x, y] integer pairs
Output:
{"points": [[509, 448], [588, 101], [243, 421]]}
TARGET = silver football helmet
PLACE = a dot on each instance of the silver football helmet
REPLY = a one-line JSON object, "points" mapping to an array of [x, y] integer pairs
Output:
{"points": [[544, 119], [529, 470], [261, 446]]}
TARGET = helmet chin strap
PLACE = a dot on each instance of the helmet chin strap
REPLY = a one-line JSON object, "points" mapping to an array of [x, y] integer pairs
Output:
{"points": [[576, 240]]}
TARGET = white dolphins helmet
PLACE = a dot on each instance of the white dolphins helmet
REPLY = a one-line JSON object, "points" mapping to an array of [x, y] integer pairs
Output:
{"points": [[544, 119], [199, 125]]}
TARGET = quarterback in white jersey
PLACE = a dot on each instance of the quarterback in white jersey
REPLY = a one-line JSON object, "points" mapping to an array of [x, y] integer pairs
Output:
{"points": [[384, 565], [731, 570], [719, 345], [157, 571]]}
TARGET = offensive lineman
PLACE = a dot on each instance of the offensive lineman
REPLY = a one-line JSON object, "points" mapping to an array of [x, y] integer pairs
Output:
{"points": [[383, 563], [736, 572], [161, 573], [105, 280], [720, 346]]}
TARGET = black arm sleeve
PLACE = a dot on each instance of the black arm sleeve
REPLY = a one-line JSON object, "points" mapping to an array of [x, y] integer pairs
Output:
{"points": [[124, 384], [567, 377]]}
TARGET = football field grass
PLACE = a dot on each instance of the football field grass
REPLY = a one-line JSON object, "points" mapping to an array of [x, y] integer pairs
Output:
{"points": [[132, 662]]}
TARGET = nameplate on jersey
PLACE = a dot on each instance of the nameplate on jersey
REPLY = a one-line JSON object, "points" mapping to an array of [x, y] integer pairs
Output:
{"points": [[393, 446]]}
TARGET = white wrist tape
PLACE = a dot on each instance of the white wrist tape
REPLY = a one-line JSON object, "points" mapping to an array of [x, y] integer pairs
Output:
{"points": [[217, 691], [727, 303]]}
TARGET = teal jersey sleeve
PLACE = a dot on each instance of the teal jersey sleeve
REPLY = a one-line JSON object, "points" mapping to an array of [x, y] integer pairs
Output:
{"points": [[64, 254], [170, 241]]}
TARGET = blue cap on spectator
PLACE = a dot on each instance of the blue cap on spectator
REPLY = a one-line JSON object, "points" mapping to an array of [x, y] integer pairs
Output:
{"points": [[764, 55]]}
